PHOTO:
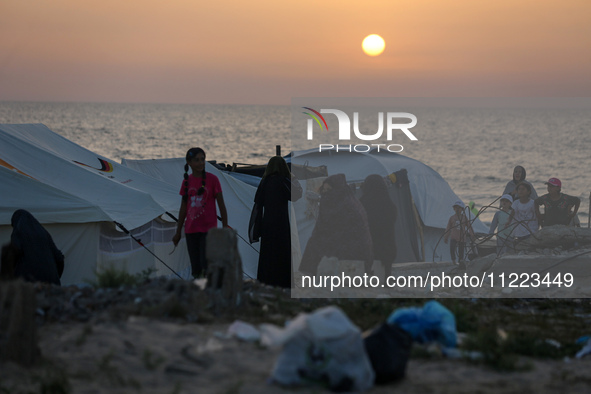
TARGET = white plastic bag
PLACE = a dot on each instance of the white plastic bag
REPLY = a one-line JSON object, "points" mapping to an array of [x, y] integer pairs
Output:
{"points": [[323, 347]]}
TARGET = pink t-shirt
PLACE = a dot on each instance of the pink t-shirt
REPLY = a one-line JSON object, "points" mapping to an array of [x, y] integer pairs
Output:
{"points": [[201, 211]]}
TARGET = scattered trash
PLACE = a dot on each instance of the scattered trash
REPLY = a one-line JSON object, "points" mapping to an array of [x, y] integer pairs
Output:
{"points": [[212, 345], [433, 322], [455, 353], [323, 347], [201, 283], [388, 348], [244, 331], [502, 334], [553, 342], [586, 349], [461, 338], [222, 335]]}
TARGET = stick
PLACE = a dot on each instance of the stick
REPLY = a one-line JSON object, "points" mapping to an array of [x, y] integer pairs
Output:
{"points": [[126, 231]]}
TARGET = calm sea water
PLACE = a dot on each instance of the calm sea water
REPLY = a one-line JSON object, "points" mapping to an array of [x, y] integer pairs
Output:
{"points": [[475, 151]]}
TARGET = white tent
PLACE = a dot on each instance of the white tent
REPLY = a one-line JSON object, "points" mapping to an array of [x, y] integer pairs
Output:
{"points": [[431, 194], [78, 196]]}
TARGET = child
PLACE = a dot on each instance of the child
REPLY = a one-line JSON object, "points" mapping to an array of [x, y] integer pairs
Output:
{"points": [[200, 191], [524, 214], [457, 227], [499, 220]]}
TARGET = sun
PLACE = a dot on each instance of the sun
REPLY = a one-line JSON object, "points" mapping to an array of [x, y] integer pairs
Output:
{"points": [[373, 45]]}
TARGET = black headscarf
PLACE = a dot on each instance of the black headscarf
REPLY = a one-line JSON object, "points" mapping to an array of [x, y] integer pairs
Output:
{"points": [[381, 216], [39, 260]]}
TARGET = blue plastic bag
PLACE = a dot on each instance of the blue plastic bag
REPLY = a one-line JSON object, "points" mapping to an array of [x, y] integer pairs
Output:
{"points": [[432, 323]]}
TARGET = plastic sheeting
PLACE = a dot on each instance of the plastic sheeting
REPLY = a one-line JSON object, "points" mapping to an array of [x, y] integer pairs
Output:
{"points": [[121, 193]]}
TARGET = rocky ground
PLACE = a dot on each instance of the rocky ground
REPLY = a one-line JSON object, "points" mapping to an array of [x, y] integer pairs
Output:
{"points": [[161, 336]]}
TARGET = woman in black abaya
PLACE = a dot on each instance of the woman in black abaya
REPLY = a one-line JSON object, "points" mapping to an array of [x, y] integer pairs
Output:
{"points": [[33, 254], [381, 217], [277, 187], [341, 229]]}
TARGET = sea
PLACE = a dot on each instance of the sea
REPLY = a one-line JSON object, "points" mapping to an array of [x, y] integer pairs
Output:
{"points": [[475, 151]]}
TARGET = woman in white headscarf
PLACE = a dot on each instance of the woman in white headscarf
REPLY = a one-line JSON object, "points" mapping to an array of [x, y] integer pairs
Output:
{"points": [[518, 177]]}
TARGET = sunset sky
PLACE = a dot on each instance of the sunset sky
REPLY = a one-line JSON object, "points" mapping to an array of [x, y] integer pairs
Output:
{"points": [[266, 52]]}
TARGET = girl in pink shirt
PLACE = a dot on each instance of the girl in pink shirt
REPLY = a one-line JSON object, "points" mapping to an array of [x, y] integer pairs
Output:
{"points": [[200, 191]]}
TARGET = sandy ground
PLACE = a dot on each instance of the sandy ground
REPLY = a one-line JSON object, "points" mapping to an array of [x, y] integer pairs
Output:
{"points": [[128, 340], [147, 356]]}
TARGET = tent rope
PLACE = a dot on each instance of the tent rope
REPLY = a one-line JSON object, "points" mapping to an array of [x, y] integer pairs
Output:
{"points": [[220, 219], [126, 231], [240, 236], [243, 272]]}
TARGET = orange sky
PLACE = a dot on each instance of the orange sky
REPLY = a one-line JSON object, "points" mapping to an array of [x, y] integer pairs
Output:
{"points": [[265, 52]]}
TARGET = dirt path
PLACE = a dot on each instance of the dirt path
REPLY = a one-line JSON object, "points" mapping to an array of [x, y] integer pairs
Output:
{"points": [[142, 355], [161, 337]]}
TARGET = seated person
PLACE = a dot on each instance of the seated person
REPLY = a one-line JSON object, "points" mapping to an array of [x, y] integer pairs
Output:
{"points": [[559, 208], [31, 254], [504, 243], [519, 177]]}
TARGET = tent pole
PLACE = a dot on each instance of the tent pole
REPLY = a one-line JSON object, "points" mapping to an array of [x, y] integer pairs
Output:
{"points": [[419, 226], [246, 242], [172, 216]]}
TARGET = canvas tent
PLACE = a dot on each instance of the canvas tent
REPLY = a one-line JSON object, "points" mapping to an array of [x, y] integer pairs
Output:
{"points": [[418, 237], [423, 197], [78, 196]]}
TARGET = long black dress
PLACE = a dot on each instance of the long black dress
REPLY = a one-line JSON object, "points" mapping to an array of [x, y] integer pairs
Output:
{"points": [[341, 229], [381, 217], [275, 253], [39, 260]]}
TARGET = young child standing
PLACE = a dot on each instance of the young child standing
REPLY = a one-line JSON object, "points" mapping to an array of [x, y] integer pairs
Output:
{"points": [[200, 191], [458, 226], [499, 221], [524, 214]]}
